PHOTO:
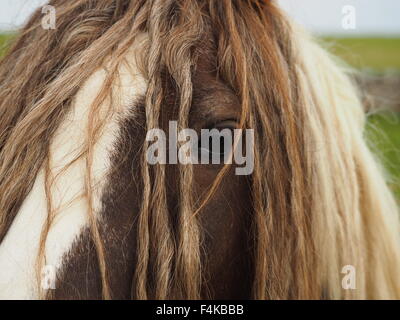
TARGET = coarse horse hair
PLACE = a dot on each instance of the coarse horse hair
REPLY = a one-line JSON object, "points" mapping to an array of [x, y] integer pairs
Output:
{"points": [[319, 198]]}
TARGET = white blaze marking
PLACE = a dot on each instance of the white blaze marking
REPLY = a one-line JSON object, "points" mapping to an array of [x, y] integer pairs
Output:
{"points": [[19, 249]]}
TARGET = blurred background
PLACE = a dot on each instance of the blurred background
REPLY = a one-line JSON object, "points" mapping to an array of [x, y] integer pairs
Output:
{"points": [[364, 33]]}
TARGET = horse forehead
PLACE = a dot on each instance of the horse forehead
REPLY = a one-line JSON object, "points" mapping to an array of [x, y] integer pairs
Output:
{"points": [[19, 249]]}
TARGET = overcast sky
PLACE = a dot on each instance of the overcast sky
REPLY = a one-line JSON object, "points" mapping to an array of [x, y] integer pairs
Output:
{"points": [[323, 16]]}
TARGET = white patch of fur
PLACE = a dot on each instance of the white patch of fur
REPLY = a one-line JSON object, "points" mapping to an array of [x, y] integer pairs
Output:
{"points": [[19, 249]]}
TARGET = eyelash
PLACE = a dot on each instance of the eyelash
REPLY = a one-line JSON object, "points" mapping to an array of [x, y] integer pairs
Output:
{"points": [[229, 124]]}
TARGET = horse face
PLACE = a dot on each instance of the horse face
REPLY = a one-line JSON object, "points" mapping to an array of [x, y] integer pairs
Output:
{"points": [[224, 221]]}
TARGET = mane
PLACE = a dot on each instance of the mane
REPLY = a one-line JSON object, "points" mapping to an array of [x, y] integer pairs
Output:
{"points": [[320, 201]]}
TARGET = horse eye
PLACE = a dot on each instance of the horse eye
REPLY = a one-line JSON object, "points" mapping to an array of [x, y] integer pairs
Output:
{"points": [[216, 141]]}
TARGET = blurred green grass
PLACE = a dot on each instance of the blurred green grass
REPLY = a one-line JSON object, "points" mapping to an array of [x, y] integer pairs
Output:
{"points": [[383, 133], [5, 39], [378, 55]]}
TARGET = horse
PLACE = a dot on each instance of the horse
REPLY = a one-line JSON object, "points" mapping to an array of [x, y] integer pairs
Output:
{"points": [[79, 201]]}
